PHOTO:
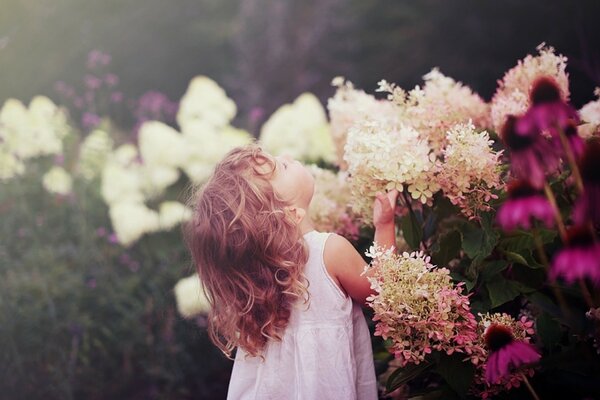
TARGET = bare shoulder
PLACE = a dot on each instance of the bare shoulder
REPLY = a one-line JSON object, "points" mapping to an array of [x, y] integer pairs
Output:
{"points": [[344, 263]]}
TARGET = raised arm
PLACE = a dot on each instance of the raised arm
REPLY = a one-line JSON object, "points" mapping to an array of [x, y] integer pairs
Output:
{"points": [[346, 265]]}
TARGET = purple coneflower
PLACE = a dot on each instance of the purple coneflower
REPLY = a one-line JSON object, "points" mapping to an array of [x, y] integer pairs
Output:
{"points": [[580, 258], [506, 353], [524, 204], [587, 208], [532, 155], [548, 110]]}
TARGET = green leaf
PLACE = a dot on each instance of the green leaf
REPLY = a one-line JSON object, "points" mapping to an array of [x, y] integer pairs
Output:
{"points": [[548, 330], [478, 242], [516, 257], [457, 277], [490, 270], [404, 375], [502, 291], [449, 248], [412, 230], [457, 374]]}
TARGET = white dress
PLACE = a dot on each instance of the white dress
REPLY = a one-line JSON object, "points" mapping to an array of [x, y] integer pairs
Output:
{"points": [[325, 352]]}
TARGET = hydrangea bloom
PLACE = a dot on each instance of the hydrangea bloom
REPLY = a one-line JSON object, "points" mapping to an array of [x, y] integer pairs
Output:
{"points": [[419, 308], [205, 101], [57, 181], [383, 156], [350, 105], [522, 330], [471, 169], [131, 220], [93, 153], [172, 213], [330, 209], [590, 115], [34, 131], [190, 297], [300, 130], [437, 106], [512, 94]]}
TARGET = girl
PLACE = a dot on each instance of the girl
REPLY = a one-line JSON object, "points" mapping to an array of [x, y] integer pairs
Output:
{"points": [[284, 294]]}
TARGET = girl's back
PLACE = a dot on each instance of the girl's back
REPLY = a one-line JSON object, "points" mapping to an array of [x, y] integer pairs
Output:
{"points": [[325, 350]]}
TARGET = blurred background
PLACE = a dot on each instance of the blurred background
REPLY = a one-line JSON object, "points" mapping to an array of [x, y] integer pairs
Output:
{"points": [[85, 313], [266, 52]]}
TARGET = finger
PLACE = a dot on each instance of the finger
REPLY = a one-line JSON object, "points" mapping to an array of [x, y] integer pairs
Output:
{"points": [[392, 195]]}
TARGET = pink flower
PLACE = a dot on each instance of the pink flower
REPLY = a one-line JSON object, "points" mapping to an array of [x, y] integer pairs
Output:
{"points": [[506, 352], [523, 205], [579, 259], [548, 112], [532, 155]]}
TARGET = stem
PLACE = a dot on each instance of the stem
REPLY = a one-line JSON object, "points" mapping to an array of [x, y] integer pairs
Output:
{"points": [[544, 259], [531, 390], [559, 221], [407, 201], [571, 158], [586, 293]]}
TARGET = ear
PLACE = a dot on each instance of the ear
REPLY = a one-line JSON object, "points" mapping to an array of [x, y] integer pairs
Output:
{"points": [[297, 213]]}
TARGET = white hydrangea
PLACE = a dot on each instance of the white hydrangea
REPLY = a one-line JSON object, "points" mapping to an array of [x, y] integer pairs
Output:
{"points": [[93, 153], [10, 165], [32, 132], [172, 213], [57, 181], [205, 101], [131, 220], [205, 146], [349, 105], [590, 116], [121, 181], [190, 297], [160, 145], [300, 130], [381, 156]]}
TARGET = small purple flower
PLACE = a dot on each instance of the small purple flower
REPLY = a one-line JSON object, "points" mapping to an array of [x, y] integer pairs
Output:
{"points": [[116, 97], [111, 80], [548, 111], [113, 238], [587, 206], [524, 204], [97, 59], [101, 231], [154, 105], [579, 259], [506, 353], [89, 120], [532, 155], [92, 82]]}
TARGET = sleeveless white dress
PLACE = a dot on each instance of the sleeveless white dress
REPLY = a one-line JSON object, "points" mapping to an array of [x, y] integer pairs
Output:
{"points": [[325, 352]]}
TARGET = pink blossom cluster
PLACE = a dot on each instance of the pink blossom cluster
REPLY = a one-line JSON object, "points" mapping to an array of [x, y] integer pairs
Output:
{"points": [[470, 170], [512, 94], [522, 329], [419, 309]]}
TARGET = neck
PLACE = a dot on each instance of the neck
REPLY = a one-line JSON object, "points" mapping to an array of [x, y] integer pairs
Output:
{"points": [[306, 225]]}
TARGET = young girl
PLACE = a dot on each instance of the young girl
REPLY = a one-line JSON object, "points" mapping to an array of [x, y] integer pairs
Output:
{"points": [[288, 297]]}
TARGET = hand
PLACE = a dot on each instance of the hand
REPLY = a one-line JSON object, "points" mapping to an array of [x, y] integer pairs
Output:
{"points": [[384, 208]]}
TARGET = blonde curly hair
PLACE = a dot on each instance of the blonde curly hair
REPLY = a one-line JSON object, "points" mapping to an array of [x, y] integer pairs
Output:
{"points": [[248, 251]]}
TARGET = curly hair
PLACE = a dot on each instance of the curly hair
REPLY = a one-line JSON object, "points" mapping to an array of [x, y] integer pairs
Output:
{"points": [[248, 251]]}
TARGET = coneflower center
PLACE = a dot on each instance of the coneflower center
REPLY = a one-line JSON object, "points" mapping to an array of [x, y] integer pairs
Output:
{"points": [[512, 139], [544, 90], [497, 336]]}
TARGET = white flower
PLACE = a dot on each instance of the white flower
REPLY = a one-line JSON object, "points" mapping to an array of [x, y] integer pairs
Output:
{"points": [[132, 220], [300, 130], [160, 145], [205, 101], [190, 297], [172, 213], [93, 153], [10, 165], [58, 181]]}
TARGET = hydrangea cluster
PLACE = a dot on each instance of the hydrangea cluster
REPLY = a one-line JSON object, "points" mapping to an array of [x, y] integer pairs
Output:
{"points": [[522, 329], [300, 130], [190, 297], [590, 116], [28, 132], [384, 156], [93, 153], [419, 309], [330, 209], [512, 95], [441, 103], [57, 181], [350, 105], [471, 169]]}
